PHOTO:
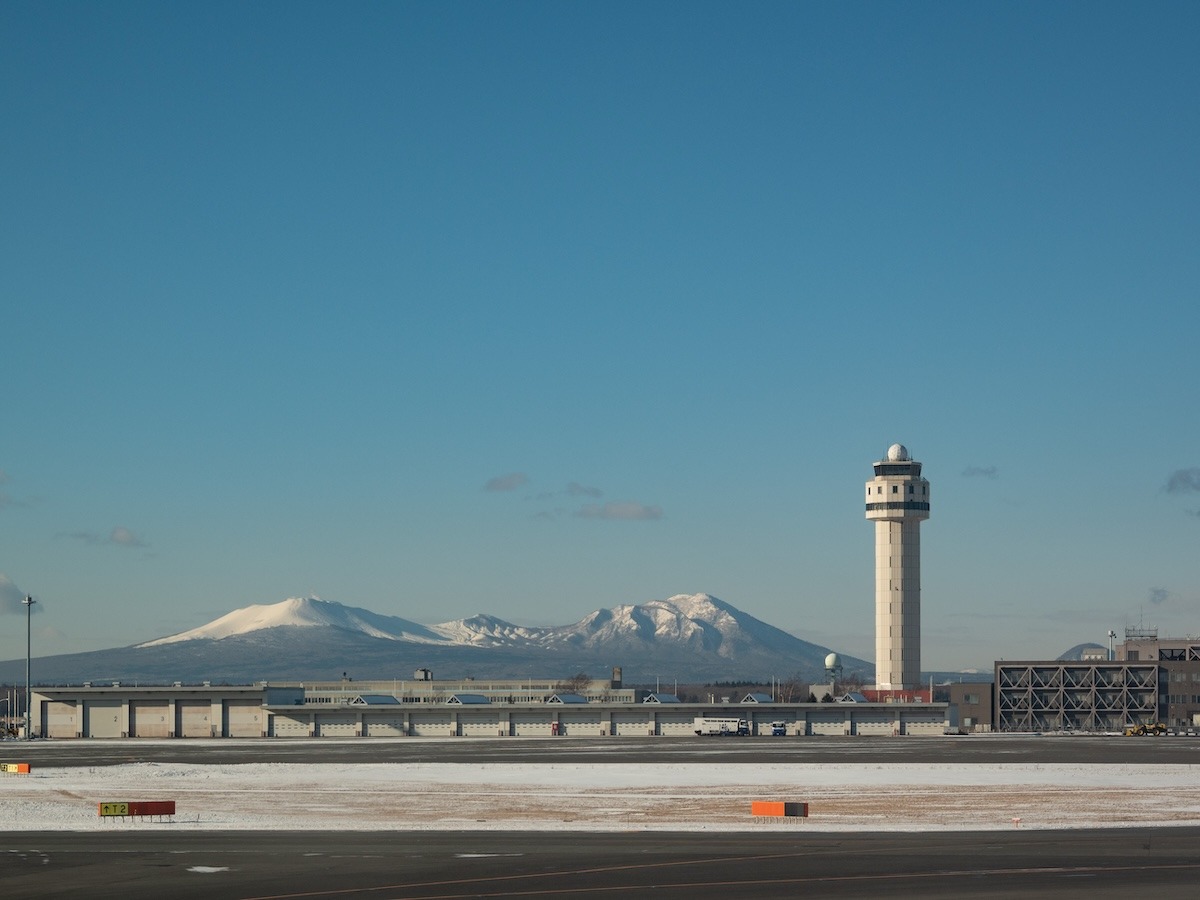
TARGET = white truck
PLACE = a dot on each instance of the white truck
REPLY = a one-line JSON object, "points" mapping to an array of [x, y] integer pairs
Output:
{"points": [[720, 725]]}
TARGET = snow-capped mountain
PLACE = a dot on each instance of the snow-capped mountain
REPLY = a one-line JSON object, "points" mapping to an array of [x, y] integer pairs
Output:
{"points": [[687, 637], [305, 612]]}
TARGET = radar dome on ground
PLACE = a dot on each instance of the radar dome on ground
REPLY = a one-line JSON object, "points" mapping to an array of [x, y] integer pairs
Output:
{"points": [[832, 661], [897, 453]]}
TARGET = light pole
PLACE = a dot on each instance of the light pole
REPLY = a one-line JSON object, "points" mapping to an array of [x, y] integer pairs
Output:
{"points": [[1111, 634], [28, 601]]}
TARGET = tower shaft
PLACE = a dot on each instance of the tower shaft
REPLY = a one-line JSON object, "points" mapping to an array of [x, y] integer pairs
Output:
{"points": [[897, 502]]}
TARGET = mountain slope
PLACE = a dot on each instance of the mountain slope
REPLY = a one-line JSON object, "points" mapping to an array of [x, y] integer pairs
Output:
{"points": [[306, 612], [686, 637]]}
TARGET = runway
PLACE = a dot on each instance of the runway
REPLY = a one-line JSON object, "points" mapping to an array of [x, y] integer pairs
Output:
{"points": [[1073, 864], [647, 750]]}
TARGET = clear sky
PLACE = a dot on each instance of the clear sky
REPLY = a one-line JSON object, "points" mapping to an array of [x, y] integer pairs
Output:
{"points": [[537, 308]]}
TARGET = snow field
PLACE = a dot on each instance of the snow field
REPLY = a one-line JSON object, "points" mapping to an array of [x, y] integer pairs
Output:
{"points": [[607, 797]]}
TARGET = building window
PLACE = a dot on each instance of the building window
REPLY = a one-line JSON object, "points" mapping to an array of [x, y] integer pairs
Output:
{"points": [[895, 488], [910, 488]]}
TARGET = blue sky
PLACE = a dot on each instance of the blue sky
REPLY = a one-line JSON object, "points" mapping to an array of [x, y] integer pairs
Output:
{"points": [[535, 308]]}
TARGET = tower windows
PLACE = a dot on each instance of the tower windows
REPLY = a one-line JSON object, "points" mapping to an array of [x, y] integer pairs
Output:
{"points": [[895, 488]]}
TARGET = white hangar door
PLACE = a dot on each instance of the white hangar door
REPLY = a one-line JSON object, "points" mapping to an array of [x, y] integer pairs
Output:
{"points": [[672, 725], [384, 726], [287, 726], [579, 722], [432, 724], [479, 724], [635, 723], [102, 718], [827, 722], [149, 718], [875, 722], [526, 723], [331, 724], [60, 719], [241, 718], [192, 718]]}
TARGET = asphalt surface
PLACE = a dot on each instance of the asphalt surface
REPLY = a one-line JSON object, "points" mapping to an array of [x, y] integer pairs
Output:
{"points": [[648, 750], [1164, 863], [1160, 862]]}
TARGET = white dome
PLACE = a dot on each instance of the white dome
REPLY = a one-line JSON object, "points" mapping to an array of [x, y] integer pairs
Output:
{"points": [[897, 453], [832, 661]]}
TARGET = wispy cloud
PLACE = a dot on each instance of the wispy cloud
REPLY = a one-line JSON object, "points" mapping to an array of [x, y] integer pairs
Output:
{"points": [[1159, 595], [125, 538], [626, 511], [981, 472], [1183, 481], [120, 536], [509, 482], [11, 597], [575, 489]]}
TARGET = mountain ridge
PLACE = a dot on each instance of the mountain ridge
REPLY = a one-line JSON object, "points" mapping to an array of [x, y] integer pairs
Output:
{"points": [[687, 636]]}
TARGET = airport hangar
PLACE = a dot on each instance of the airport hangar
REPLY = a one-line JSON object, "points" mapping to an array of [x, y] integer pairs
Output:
{"points": [[442, 709]]}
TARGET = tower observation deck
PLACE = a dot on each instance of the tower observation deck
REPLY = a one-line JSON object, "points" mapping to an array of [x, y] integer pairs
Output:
{"points": [[897, 502]]}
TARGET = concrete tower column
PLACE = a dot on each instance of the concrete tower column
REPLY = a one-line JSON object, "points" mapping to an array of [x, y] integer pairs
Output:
{"points": [[897, 502]]}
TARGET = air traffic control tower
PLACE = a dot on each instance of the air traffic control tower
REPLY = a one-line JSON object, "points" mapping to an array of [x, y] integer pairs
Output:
{"points": [[897, 502]]}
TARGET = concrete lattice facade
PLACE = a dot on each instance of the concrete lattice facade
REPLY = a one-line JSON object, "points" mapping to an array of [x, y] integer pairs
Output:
{"points": [[1076, 696], [897, 502]]}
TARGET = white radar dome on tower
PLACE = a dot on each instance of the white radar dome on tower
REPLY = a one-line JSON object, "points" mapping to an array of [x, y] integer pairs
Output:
{"points": [[833, 661], [897, 453]]}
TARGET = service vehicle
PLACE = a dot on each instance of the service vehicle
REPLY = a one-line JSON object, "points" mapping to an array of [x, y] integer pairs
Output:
{"points": [[720, 725]]}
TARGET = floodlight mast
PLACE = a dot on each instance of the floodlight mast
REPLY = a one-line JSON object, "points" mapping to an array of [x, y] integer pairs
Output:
{"points": [[28, 602]]}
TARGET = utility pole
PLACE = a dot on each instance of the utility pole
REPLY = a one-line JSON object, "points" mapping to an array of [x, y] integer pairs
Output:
{"points": [[28, 601]]}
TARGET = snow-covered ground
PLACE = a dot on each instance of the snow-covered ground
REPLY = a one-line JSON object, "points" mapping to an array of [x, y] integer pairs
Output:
{"points": [[607, 797]]}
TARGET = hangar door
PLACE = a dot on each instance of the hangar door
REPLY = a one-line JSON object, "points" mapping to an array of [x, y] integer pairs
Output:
{"points": [[579, 722], [340, 724], [149, 718], [241, 718], [286, 726], [672, 724], [192, 718], [59, 719], [433, 724], [827, 722], [384, 726], [636, 723], [526, 723], [875, 722], [102, 718], [918, 724], [479, 724]]}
